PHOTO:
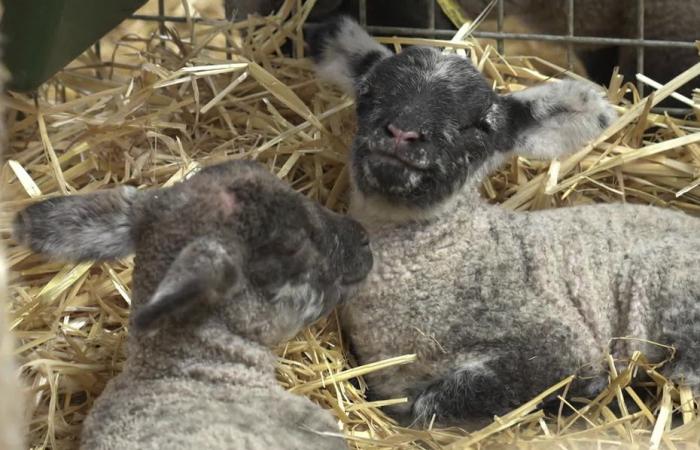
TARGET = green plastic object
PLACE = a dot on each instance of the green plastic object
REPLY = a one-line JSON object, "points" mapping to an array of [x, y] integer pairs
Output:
{"points": [[42, 36]]}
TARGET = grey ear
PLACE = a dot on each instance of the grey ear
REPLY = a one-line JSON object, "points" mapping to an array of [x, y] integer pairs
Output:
{"points": [[343, 52], [202, 266], [94, 226], [552, 119]]}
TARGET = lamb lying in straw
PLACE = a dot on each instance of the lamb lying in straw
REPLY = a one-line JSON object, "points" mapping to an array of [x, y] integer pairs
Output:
{"points": [[497, 305], [228, 263]]}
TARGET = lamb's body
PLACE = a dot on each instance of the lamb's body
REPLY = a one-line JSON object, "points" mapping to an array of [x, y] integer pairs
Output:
{"points": [[532, 296], [223, 397]]}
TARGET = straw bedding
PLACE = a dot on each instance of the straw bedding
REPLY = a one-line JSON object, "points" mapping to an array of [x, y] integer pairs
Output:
{"points": [[157, 108]]}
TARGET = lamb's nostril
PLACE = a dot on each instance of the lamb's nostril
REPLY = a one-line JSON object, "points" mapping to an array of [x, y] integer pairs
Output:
{"points": [[400, 136], [410, 135], [393, 130]]}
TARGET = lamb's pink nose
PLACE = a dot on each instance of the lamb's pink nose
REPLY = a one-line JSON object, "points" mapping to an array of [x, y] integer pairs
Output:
{"points": [[401, 136]]}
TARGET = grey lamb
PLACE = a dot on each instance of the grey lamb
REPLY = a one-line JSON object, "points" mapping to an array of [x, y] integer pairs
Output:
{"points": [[498, 305], [228, 264]]}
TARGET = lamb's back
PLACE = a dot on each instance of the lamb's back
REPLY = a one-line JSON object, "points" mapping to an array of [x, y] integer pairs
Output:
{"points": [[185, 414]]}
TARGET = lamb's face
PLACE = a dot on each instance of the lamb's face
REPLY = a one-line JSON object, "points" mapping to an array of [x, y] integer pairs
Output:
{"points": [[423, 126], [282, 236], [231, 241], [257, 239], [429, 122]]}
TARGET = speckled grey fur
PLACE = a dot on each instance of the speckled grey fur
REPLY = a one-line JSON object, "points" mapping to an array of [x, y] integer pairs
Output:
{"points": [[499, 305], [228, 264]]}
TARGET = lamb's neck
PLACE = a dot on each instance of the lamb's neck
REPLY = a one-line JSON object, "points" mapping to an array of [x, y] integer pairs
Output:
{"points": [[208, 352], [375, 212]]}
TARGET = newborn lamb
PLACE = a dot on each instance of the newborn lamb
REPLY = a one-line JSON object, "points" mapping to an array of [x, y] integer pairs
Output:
{"points": [[228, 264], [497, 305]]}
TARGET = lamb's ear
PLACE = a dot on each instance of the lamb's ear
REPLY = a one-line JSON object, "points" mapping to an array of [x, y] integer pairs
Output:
{"points": [[343, 52], [204, 265], [553, 119], [94, 226]]}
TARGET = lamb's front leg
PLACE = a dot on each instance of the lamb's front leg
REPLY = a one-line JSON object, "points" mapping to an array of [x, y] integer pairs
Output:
{"points": [[509, 371], [476, 391], [470, 391]]}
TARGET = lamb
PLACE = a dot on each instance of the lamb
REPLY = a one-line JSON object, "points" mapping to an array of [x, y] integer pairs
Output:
{"points": [[228, 264], [497, 305]]}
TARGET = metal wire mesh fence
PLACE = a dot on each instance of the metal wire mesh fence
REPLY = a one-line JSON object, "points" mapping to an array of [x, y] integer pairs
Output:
{"points": [[571, 38]]}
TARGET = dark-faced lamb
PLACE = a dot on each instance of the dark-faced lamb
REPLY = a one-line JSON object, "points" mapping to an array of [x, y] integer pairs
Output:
{"points": [[228, 264], [498, 305]]}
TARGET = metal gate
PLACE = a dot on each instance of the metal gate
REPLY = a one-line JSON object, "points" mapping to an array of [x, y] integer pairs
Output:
{"points": [[571, 39]]}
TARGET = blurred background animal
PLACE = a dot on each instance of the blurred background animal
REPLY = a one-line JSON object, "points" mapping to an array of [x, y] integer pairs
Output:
{"points": [[663, 20]]}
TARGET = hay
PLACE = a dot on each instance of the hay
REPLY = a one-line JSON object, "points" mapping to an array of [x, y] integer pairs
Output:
{"points": [[160, 107]]}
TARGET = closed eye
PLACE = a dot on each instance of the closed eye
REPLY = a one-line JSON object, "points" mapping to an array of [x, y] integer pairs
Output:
{"points": [[284, 244], [480, 125], [485, 126], [293, 247]]}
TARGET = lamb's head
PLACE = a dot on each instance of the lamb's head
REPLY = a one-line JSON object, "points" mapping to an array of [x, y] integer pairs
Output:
{"points": [[429, 122], [232, 243]]}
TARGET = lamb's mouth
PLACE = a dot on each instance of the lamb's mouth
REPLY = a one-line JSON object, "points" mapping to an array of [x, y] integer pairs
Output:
{"points": [[396, 159]]}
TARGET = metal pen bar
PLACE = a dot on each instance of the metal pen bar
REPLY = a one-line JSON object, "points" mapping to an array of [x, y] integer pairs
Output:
{"points": [[164, 18], [500, 43], [161, 16], [362, 13], [98, 54], [640, 49], [535, 37], [570, 30], [482, 34], [431, 15]]}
